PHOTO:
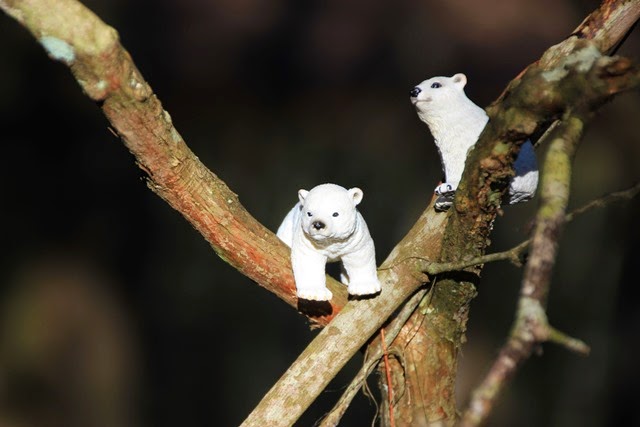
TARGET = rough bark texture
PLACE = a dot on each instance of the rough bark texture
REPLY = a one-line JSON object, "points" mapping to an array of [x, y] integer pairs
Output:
{"points": [[424, 384], [531, 326], [72, 34], [379, 352], [571, 72], [421, 399], [352, 328], [568, 74]]}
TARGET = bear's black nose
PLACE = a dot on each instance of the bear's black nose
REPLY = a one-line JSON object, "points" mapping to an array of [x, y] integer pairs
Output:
{"points": [[415, 92], [318, 225]]}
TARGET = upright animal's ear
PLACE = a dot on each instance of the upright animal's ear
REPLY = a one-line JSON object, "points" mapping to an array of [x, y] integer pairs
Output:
{"points": [[460, 80], [302, 194], [356, 195]]}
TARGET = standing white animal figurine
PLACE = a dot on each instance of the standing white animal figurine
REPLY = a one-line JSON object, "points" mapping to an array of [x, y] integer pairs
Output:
{"points": [[456, 123], [325, 226]]}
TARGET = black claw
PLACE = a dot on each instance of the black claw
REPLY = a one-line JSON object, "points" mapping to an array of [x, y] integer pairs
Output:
{"points": [[444, 202]]}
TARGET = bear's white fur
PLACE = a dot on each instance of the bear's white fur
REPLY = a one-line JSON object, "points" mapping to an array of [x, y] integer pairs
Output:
{"points": [[325, 226], [456, 123]]}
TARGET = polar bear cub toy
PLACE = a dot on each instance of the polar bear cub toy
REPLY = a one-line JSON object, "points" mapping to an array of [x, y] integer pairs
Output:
{"points": [[325, 226], [456, 123]]}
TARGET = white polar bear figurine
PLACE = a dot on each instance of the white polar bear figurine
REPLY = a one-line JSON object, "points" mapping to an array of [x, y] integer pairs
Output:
{"points": [[456, 123], [325, 226]]}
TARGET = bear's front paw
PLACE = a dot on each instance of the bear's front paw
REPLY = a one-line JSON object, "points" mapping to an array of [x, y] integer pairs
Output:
{"points": [[444, 189], [443, 203], [319, 294], [445, 192], [364, 288]]}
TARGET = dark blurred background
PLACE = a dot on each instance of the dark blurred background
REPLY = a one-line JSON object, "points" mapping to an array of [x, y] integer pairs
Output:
{"points": [[115, 312]]}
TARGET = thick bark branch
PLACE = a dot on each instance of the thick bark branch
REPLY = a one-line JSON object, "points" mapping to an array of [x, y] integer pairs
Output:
{"points": [[584, 78], [75, 36], [350, 329], [601, 78], [531, 326], [72, 34], [609, 25], [532, 101], [543, 94], [372, 359]]}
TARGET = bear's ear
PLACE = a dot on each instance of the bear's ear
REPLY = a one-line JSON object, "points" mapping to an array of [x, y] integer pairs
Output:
{"points": [[460, 80], [302, 194], [356, 195]]}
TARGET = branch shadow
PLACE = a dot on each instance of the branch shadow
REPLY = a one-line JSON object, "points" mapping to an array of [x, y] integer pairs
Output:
{"points": [[315, 308]]}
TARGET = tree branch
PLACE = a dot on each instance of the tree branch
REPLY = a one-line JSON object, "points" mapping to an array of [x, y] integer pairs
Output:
{"points": [[375, 350], [349, 331], [609, 25], [514, 254], [542, 95], [627, 194], [372, 358], [531, 325], [532, 101], [72, 34], [583, 77]]}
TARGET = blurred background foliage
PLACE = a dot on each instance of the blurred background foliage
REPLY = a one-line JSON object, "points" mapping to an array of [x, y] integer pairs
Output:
{"points": [[114, 311]]}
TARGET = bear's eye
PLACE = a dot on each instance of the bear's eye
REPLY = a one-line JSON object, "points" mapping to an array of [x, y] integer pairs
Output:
{"points": [[435, 85], [335, 214], [309, 213]]}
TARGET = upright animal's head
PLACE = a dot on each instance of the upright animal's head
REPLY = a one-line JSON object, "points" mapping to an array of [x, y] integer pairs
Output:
{"points": [[438, 93], [328, 212]]}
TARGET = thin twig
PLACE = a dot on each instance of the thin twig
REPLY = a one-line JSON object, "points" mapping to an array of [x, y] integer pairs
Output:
{"points": [[603, 201], [568, 342], [433, 268], [514, 254]]}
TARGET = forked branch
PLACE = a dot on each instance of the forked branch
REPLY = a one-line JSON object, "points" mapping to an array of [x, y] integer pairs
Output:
{"points": [[72, 34], [531, 326]]}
